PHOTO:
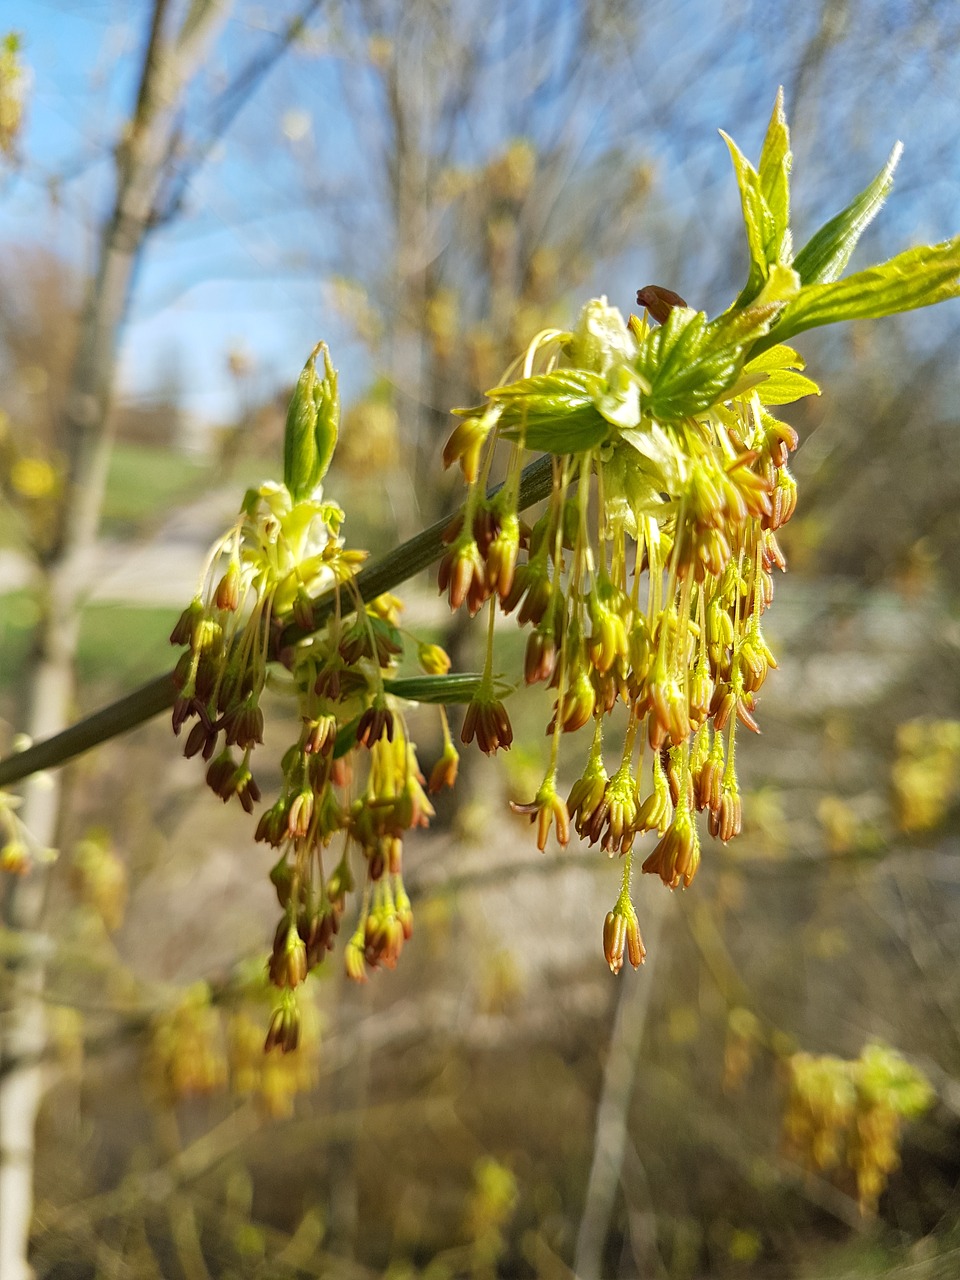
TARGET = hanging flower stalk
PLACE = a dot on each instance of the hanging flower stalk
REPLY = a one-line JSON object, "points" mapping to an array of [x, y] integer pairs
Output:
{"points": [[644, 582]]}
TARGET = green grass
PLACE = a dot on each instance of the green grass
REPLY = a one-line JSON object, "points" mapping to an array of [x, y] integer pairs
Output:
{"points": [[121, 645], [125, 645], [144, 483]]}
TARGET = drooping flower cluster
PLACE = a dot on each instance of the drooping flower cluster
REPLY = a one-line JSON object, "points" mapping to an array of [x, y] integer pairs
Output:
{"points": [[351, 779], [645, 580], [843, 1118]]}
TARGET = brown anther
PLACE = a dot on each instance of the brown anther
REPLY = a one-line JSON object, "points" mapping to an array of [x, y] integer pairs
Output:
{"points": [[219, 777], [586, 797], [320, 735], [300, 814], [606, 689], [228, 590], [540, 656], [706, 786], [677, 856], [444, 772], [288, 959], [744, 709], [327, 683], [669, 719], [284, 1030], [376, 721], [246, 790], [488, 722], [272, 827], [208, 674], [185, 625], [534, 587], [243, 725], [183, 708], [199, 739], [592, 827], [726, 821], [576, 707], [486, 527], [614, 940], [636, 951], [722, 705], [462, 575]]}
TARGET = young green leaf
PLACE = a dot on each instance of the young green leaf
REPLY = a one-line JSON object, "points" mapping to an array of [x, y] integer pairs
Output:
{"points": [[784, 387], [757, 220], [689, 364], [634, 480], [776, 160], [600, 338], [779, 357], [917, 277], [826, 255], [782, 380]]}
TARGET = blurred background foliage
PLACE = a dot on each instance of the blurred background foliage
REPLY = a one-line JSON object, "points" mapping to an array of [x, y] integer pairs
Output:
{"points": [[777, 1092]]}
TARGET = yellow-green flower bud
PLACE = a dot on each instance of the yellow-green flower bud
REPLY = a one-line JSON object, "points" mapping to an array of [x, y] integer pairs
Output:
{"points": [[433, 659]]}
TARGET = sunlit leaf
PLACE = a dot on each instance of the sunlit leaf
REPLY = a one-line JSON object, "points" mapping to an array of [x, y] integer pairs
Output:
{"points": [[779, 357], [781, 285], [634, 479], [757, 220], [785, 386], [780, 379], [776, 160], [690, 364], [826, 255], [917, 277]]}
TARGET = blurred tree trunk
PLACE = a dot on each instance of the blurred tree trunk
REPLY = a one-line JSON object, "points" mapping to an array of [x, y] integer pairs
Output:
{"points": [[611, 1128], [148, 141]]}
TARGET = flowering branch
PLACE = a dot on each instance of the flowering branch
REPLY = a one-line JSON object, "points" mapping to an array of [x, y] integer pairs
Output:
{"points": [[157, 695], [644, 583]]}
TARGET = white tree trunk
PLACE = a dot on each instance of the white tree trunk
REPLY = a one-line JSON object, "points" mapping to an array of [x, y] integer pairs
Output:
{"points": [[169, 64]]}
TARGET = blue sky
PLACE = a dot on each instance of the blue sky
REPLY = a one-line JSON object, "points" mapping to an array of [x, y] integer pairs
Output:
{"points": [[218, 281], [246, 268]]}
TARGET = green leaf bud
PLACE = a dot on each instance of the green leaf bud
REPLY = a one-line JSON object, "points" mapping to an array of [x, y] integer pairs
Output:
{"points": [[313, 423]]}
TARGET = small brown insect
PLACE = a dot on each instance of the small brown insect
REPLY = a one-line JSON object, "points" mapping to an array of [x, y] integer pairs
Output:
{"points": [[658, 301]]}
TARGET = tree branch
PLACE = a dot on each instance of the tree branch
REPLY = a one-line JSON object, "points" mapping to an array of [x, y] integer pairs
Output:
{"points": [[227, 106]]}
